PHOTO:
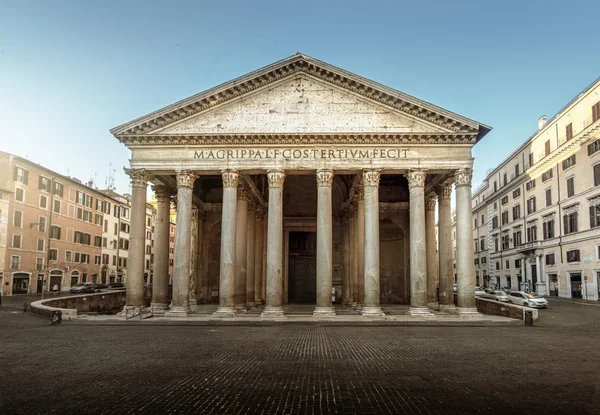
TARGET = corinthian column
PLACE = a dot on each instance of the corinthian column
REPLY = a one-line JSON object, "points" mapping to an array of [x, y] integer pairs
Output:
{"points": [[324, 245], [183, 239], [360, 246], [250, 229], [371, 229], [258, 255], [418, 257], [465, 269], [273, 308], [241, 248], [137, 238], [346, 294], [446, 270], [160, 285], [432, 270], [228, 237], [353, 257]]}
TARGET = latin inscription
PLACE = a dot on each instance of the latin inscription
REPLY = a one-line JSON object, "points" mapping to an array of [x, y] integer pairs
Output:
{"points": [[295, 154]]}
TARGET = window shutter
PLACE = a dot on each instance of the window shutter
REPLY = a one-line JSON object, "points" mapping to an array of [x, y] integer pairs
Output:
{"points": [[533, 204], [575, 222], [545, 230], [593, 216], [597, 175], [569, 131], [25, 177], [40, 183], [566, 224], [15, 173]]}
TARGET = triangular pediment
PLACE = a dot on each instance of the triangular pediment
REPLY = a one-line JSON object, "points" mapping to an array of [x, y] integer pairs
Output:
{"points": [[300, 95], [301, 104]]}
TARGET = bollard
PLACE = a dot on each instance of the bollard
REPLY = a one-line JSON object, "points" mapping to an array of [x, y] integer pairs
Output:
{"points": [[528, 318], [25, 307]]}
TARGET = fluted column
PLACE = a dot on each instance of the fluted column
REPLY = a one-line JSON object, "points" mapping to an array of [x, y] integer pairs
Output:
{"points": [[258, 256], [324, 244], [354, 256], [418, 257], [228, 245], [465, 268], [250, 289], [193, 264], [446, 270], [346, 294], [137, 238], [199, 266], [241, 242], [371, 229], [183, 238], [273, 308], [431, 254], [160, 285], [360, 246]]}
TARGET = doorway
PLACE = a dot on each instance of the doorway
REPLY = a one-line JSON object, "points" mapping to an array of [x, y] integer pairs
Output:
{"points": [[302, 271], [575, 285], [20, 283]]}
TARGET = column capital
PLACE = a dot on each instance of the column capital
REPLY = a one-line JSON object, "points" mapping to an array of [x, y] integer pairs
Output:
{"points": [[444, 191], [230, 178], [186, 178], [416, 177], [139, 177], [243, 192], [371, 178], [430, 203], [463, 177], [276, 178], [359, 193], [162, 193], [324, 178]]}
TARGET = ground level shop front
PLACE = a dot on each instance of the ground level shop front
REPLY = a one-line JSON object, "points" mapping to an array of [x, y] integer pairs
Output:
{"points": [[302, 182]]}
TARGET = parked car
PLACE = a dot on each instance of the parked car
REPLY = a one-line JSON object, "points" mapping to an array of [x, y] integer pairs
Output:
{"points": [[116, 286], [83, 287], [527, 299], [455, 288], [498, 296], [479, 292]]}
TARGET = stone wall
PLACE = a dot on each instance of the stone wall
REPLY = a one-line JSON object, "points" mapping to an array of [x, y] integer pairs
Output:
{"points": [[105, 302], [498, 308]]}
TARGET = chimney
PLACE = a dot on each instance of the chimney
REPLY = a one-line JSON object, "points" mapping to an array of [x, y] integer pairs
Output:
{"points": [[542, 122]]}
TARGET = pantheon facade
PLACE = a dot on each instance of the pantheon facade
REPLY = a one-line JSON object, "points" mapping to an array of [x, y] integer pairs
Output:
{"points": [[303, 183]]}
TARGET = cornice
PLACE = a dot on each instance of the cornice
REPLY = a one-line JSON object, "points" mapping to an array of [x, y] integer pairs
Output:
{"points": [[288, 67], [140, 140]]}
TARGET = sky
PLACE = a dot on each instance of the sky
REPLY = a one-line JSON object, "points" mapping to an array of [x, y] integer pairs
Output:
{"points": [[72, 70]]}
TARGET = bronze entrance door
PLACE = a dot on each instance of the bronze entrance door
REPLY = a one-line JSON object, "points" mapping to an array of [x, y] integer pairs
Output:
{"points": [[302, 284]]}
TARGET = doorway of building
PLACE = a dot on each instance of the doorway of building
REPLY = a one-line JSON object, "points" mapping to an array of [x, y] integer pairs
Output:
{"points": [[533, 277], [55, 280], [553, 284], [20, 283], [302, 271], [575, 285], [74, 278], [40, 283]]}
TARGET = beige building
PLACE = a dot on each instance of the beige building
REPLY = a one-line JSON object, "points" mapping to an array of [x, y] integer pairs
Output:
{"points": [[536, 217], [297, 181]]}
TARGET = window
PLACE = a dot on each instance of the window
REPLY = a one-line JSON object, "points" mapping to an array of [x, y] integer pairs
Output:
{"points": [[505, 242], [56, 206], [483, 260], [517, 263], [476, 261], [517, 238], [43, 202], [505, 200], [99, 205], [495, 186], [516, 170], [548, 229], [474, 224], [79, 197], [530, 185], [532, 233], [44, 184], [148, 249], [507, 264], [570, 186], [58, 189], [597, 175], [516, 193], [495, 222], [39, 264], [53, 254], [98, 241], [124, 227], [547, 147], [116, 229], [596, 112], [104, 242], [570, 223], [547, 175], [548, 197], [124, 262], [482, 244], [79, 213], [114, 262], [105, 225], [98, 219], [550, 259], [495, 205], [107, 208], [16, 241], [21, 175], [87, 216], [573, 256], [105, 258], [15, 262], [19, 195], [54, 232], [85, 258], [40, 245], [516, 211], [594, 216], [96, 259], [594, 147], [530, 159], [495, 245], [68, 256], [88, 201], [147, 264], [531, 205], [569, 162], [82, 238], [171, 262], [18, 219], [123, 244], [504, 179], [497, 265], [505, 217], [77, 257], [569, 131], [148, 221], [482, 219], [42, 224], [149, 234]]}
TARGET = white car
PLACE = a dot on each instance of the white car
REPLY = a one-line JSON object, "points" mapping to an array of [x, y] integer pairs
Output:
{"points": [[498, 296], [527, 300], [479, 292]]}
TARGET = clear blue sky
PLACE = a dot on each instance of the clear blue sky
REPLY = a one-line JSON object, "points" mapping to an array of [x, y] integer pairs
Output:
{"points": [[71, 70]]}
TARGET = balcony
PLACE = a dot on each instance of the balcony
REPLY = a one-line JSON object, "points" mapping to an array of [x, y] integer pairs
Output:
{"points": [[529, 246]]}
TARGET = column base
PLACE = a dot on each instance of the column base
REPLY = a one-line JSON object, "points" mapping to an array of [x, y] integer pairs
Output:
{"points": [[193, 304], [224, 312], [359, 306], [250, 304], [324, 312], [179, 311], [434, 305], [354, 304], [447, 308], [420, 312], [159, 308], [468, 313], [272, 312], [241, 308], [372, 311]]}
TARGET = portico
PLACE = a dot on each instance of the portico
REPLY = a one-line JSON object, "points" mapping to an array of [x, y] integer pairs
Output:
{"points": [[310, 184]]}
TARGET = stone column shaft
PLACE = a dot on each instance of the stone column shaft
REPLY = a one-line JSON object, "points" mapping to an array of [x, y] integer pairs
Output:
{"points": [[250, 290], [273, 308], [354, 258], [371, 251], [160, 285], [466, 306], [360, 248], [241, 249], [258, 257], [228, 245], [446, 269], [137, 239], [324, 244], [199, 286], [346, 294], [432, 269], [418, 257]]}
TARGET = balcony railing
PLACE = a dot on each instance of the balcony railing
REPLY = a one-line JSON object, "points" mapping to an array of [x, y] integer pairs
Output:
{"points": [[528, 246]]}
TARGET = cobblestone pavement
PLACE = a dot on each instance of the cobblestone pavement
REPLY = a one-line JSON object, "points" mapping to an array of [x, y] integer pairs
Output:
{"points": [[302, 369]]}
